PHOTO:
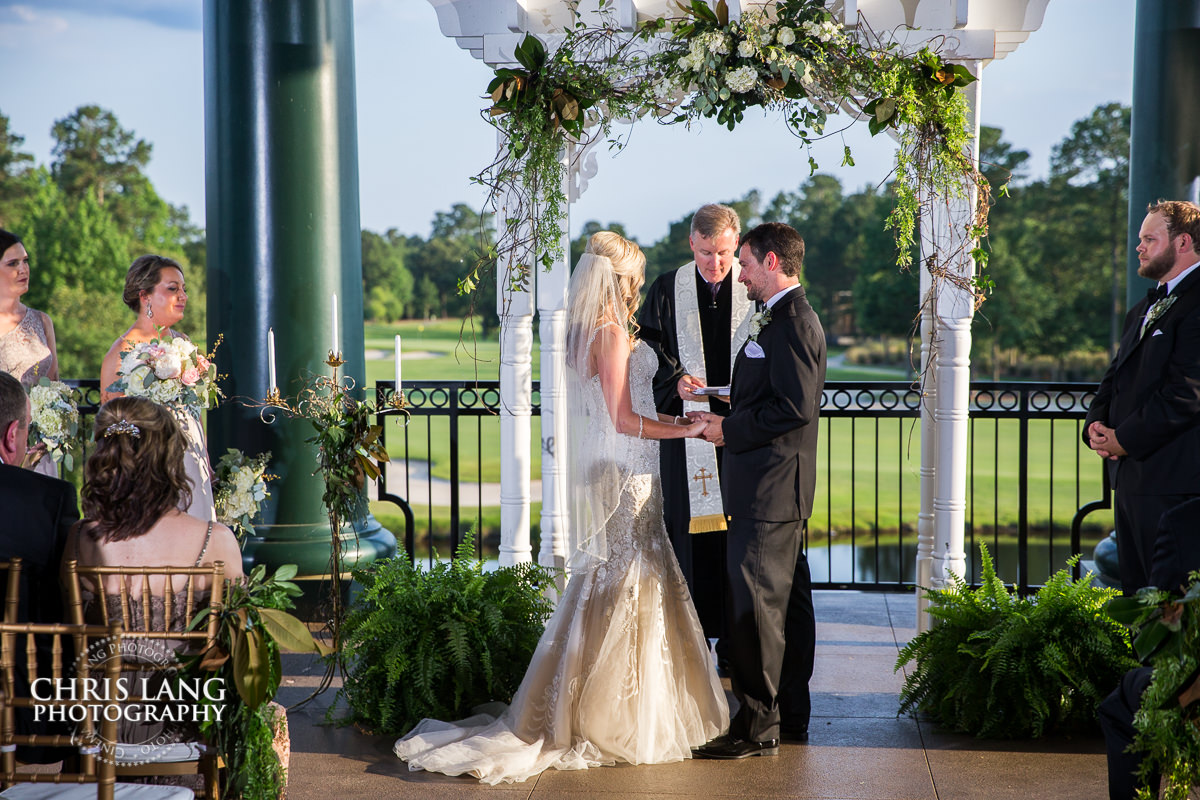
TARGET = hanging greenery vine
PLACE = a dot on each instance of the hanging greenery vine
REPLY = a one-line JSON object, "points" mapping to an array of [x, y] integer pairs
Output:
{"points": [[792, 58]]}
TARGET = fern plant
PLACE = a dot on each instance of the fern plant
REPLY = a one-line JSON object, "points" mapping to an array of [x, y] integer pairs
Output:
{"points": [[1000, 666], [1167, 637], [435, 643]]}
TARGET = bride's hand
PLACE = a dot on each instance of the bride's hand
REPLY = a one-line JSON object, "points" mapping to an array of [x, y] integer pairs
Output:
{"points": [[696, 429]]}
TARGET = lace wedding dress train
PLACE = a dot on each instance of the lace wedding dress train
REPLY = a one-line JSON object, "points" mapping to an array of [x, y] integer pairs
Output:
{"points": [[622, 672]]}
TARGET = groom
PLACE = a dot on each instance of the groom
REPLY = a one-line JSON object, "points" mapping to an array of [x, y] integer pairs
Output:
{"points": [[770, 439]]}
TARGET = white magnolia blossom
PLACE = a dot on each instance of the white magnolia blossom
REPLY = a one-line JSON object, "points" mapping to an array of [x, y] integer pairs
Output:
{"points": [[742, 79]]}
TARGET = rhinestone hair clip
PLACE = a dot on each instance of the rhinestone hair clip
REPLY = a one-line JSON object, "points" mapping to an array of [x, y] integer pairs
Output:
{"points": [[121, 428]]}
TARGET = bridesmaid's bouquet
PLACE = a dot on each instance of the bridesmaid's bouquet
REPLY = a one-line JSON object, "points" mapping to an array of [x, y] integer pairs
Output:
{"points": [[55, 420], [241, 489], [169, 372]]}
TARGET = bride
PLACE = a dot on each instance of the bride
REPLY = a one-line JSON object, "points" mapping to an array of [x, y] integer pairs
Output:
{"points": [[622, 672], [155, 290]]}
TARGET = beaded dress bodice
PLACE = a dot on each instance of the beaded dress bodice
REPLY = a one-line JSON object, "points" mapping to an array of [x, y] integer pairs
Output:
{"points": [[24, 351]]}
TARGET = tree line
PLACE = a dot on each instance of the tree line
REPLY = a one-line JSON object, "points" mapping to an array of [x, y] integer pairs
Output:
{"points": [[1057, 245]]}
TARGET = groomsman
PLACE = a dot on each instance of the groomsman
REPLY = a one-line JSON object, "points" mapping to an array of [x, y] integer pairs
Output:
{"points": [[38, 512], [1145, 419], [695, 318], [770, 440]]}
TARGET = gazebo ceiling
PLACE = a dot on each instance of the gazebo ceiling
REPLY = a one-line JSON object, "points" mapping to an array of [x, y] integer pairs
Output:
{"points": [[973, 29]]}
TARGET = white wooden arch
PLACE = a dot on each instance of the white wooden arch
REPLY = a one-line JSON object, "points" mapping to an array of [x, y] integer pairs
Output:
{"points": [[971, 32]]}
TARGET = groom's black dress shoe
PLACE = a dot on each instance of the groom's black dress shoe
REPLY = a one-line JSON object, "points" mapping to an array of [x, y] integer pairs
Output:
{"points": [[730, 747]]}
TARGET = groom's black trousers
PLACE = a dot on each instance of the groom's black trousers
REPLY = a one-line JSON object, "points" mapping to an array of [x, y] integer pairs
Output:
{"points": [[772, 628]]}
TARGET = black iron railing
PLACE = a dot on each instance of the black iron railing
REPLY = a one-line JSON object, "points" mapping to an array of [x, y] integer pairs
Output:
{"points": [[1035, 494]]}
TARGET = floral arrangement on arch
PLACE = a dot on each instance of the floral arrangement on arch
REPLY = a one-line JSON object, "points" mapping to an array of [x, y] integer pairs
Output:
{"points": [[55, 423], [791, 57], [170, 372], [241, 489]]}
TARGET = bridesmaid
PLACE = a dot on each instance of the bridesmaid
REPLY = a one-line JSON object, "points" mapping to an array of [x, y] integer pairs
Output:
{"points": [[27, 350], [155, 290]]}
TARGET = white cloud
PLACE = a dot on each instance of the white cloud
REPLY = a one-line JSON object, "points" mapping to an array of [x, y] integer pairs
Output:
{"points": [[41, 23]]}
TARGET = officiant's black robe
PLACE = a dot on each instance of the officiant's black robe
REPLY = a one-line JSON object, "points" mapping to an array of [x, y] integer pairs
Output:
{"points": [[702, 555]]}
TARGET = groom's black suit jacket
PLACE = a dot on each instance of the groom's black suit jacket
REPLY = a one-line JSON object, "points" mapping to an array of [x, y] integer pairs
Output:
{"points": [[771, 431], [1151, 396]]}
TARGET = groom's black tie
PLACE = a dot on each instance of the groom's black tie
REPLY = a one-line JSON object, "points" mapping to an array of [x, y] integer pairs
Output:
{"points": [[1156, 293]]}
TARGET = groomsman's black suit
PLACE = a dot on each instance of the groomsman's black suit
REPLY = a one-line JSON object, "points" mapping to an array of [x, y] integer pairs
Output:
{"points": [[37, 513], [1176, 553], [770, 478], [1151, 396]]}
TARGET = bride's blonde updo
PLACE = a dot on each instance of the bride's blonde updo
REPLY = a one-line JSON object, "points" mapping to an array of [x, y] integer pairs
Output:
{"points": [[628, 263], [135, 475]]}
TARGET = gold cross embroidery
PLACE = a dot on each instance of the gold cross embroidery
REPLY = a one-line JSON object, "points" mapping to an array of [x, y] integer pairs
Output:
{"points": [[703, 476]]}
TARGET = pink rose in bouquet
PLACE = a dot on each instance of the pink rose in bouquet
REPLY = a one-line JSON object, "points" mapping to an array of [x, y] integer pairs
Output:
{"points": [[190, 376]]}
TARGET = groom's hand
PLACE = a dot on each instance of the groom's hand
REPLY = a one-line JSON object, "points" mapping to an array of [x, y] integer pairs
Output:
{"points": [[687, 384], [713, 432]]}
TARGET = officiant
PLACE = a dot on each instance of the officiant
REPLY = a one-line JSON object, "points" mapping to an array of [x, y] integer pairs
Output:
{"points": [[696, 318]]}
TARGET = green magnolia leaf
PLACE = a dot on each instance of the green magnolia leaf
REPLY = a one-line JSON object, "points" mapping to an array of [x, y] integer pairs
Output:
{"points": [[1125, 610], [286, 572], [289, 633], [1150, 640], [251, 667], [885, 110], [530, 52], [962, 75]]}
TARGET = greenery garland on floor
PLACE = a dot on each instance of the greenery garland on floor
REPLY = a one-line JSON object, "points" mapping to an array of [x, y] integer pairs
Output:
{"points": [[437, 642], [1001, 666], [253, 627], [1168, 638], [792, 58]]}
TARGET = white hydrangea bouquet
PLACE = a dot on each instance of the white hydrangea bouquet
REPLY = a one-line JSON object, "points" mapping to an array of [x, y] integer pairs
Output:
{"points": [[241, 489], [55, 420], [170, 372]]}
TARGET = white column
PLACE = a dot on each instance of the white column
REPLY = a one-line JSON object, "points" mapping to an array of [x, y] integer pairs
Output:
{"points": [[515, 309], [552, 329], [928, 472], [952, 376]]}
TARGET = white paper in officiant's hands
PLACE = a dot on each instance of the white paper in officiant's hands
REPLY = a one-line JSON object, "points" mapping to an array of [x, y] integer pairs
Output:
{"points": [[720, 391]]}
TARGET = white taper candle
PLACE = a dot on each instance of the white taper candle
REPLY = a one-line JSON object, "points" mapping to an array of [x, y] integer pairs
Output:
{"points": [[336, 351], [397, 362], [271, 358]]}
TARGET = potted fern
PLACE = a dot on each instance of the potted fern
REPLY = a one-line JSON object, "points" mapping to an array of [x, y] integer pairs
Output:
{"points": [[436, 643], [1002, 666]]}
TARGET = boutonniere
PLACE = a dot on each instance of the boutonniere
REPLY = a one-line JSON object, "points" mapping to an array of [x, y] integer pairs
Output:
{"points": [[758, 322], [1155, 311]]}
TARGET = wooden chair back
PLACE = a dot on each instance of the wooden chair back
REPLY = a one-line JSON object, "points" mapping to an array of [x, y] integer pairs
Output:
{"points": [[181, 590], [12, 588], [96, 725]]}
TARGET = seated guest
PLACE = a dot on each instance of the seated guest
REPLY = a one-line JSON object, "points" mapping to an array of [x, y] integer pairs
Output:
{"points": [[1176, 553], [134, 486], [38, 512]]}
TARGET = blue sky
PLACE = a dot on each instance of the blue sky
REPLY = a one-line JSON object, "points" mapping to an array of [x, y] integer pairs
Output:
{"points": [[420, 134]]}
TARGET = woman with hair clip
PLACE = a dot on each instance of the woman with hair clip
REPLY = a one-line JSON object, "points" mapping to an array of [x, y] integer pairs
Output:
{"points": [[622, 672], [27, 347], [156, 292], [133, 485]]}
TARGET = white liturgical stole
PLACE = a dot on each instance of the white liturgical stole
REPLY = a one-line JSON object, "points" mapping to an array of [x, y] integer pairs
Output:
{"points": [[704, 489]]}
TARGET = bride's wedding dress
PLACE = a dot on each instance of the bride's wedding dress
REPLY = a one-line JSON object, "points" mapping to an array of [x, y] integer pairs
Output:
{"points": [[622, 672]]}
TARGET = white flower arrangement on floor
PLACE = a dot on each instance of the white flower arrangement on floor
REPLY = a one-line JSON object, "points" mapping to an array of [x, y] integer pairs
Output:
{"points": [[55, 420]]}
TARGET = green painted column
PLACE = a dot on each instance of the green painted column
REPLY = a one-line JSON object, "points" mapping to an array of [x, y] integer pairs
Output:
{"points": [[281, 172], [1164, 159]]}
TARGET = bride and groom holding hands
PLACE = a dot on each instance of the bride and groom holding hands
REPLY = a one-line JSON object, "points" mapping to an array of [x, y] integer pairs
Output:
{"points": [[623, 671]]}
